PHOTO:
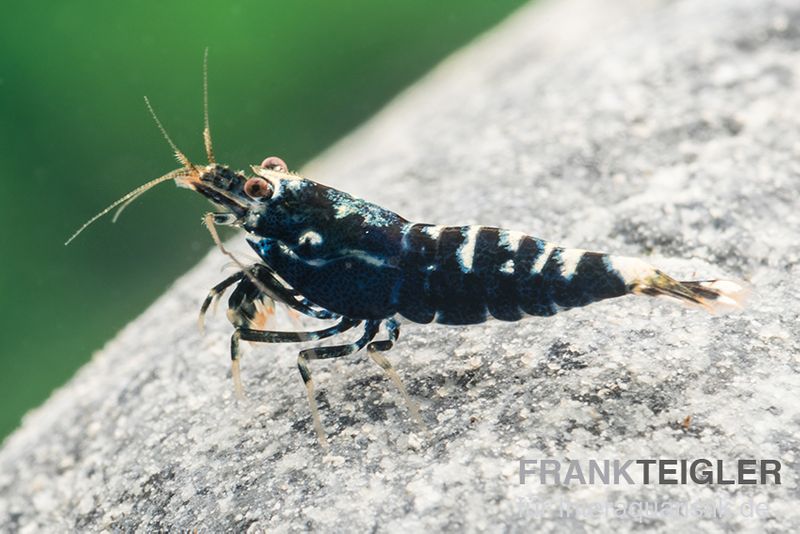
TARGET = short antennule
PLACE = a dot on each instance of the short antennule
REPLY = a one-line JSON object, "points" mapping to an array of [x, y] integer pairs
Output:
{"points": [[182, 159]]}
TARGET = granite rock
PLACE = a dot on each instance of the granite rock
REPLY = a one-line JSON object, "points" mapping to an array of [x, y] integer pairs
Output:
{"points": [[662, 129]]}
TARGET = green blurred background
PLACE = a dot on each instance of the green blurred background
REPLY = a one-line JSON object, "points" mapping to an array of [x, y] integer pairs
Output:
{"points": [[286, 78]]}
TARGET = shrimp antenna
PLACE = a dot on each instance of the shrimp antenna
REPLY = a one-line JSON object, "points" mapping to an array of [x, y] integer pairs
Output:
{"points": [[187, 170], [130, 197], [206, 128], [182, 159]]}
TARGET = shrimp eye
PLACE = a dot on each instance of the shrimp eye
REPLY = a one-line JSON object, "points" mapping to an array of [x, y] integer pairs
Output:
{"points": [[258, 188], [274, 163]]}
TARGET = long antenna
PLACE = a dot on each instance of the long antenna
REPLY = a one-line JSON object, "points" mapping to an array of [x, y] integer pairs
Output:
{"points": [[182, 159], [129, 198], [207, 128]]}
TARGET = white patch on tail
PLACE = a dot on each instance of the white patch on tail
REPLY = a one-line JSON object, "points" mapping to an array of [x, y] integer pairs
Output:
{"points": [[631, 270]]}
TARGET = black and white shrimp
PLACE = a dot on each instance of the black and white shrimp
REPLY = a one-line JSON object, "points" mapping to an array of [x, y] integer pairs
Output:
{"points": [[329, 255]]}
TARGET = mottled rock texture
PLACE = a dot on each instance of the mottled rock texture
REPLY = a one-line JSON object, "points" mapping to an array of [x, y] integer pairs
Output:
{"points": [[663, 129]]}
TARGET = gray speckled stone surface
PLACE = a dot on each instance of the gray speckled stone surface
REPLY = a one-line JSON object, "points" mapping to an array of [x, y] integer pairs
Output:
{"points": [[664, 129]]}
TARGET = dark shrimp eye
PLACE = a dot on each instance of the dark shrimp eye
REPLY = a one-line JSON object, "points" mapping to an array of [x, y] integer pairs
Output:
{"points": [[257, 188], [274, 163]]}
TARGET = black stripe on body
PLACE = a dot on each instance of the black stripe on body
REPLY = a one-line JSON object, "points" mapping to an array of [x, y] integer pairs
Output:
{"points": [[456, 295], [464, 274], [494, 266], [418, 256], [591, 282], [557, 288], [457, 281], [532, 290]]}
